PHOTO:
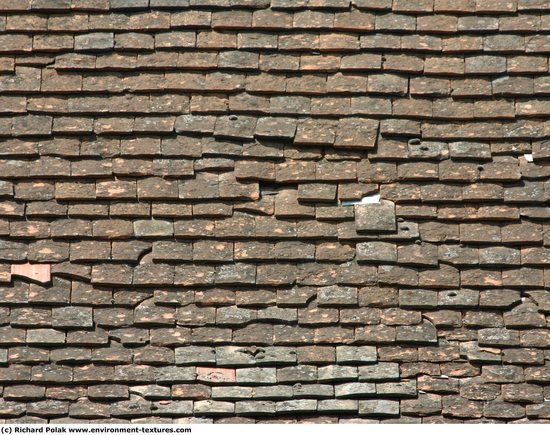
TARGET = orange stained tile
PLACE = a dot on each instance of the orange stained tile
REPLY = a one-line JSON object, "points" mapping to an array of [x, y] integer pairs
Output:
{"points": [[35, 272], [216, 374]]}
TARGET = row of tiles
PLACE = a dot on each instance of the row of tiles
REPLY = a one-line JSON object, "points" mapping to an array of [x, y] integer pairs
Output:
{"points": [[305, 274], [79, 114], [306, 87], [258, 234], [210, 251], [522, 393], [487, 346], [218, 154], [487, 323], [324, 42], [352, 132], [433, 408], [268, 19], [280, 304], [145, 162], [478, 6], [410, 186]]}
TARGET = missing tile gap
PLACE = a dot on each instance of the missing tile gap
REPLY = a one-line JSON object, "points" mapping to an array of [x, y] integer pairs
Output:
{"points": [[528, 157], [267, 188], [369, 199]]}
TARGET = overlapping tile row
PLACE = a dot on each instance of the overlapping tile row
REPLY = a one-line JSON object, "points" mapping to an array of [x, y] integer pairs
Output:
{"points": [[201, 180]]}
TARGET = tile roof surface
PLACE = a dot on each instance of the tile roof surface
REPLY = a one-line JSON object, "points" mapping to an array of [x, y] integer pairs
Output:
{"points": [[274, 211]]}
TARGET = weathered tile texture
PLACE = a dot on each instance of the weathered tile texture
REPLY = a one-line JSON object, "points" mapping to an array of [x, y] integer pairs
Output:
{"points": [[189, 170]]}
